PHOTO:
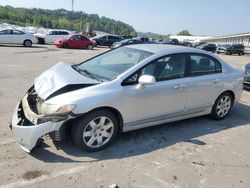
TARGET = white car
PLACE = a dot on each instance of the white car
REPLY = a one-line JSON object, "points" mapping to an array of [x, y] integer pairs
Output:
{"points": [[13, 36], [128, 88], [51, 36]]}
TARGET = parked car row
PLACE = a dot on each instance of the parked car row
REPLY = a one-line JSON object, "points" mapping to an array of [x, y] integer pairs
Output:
{"points": [[66, 39]]}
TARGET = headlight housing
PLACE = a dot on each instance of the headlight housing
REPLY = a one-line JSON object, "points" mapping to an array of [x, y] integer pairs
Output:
{"points": [[55, 109], [244, 70]]}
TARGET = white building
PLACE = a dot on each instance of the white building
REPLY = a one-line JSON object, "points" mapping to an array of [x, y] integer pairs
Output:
{"points": [[189, 38], [243, 38]]}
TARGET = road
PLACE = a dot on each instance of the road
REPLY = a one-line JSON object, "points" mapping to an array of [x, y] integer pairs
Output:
{"points": [[198, 152]]}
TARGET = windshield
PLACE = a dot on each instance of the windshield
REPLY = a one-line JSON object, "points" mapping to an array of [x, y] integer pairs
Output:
{"points": [[109, 65]]}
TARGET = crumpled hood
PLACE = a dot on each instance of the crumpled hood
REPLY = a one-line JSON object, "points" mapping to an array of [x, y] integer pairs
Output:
{"points": [[58, 77]]}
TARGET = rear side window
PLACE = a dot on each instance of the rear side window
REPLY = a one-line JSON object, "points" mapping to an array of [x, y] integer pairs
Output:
{"points": [[202, 65], [63, 33], [16, 32], [84, 38], [113, 37]]}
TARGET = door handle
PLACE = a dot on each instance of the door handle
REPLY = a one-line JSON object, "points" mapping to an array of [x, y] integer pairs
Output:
{"points": [[179, 86], [215, 81]]}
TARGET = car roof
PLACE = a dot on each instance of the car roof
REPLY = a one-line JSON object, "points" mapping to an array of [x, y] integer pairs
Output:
{"points": [[159, 48]]}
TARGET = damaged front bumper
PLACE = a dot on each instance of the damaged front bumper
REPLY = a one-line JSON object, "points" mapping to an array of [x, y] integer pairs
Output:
{"points": [[28, 126]]}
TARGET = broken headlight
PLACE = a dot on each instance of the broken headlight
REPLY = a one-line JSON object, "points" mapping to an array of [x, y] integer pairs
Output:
{"points": [[55, 109]]}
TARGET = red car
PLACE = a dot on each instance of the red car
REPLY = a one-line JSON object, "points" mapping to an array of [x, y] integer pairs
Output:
{"points": [[75, 41]]}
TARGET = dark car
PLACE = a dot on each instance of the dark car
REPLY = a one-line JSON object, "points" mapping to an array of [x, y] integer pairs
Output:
{"points": [[106, 40], [170, 41], [126, 42], [187, 44], [208, 47], [231, 49], [198, 44], [246, 70]]}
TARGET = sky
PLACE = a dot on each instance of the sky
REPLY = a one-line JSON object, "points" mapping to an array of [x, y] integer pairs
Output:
{"points": [[200, 17]]}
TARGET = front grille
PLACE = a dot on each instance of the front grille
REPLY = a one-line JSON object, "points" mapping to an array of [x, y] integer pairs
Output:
{"points": [[23, 121]]}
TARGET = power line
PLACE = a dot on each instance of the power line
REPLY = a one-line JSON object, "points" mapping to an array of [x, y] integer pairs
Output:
{"points": [[9, 2]]}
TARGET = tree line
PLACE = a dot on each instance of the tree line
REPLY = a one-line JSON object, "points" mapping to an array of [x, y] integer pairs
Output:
{"points": [[63, 19]]}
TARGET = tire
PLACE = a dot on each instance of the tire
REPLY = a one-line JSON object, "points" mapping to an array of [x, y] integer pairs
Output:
{"points": [[222, 106], [27, 43], [88, 131], [65, 45], [90, 47]]}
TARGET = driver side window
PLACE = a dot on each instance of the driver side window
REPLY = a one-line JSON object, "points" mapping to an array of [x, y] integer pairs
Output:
{"points": [[164, 68]]}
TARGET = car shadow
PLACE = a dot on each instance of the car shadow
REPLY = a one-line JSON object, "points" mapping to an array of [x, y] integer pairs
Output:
{"points": [[146, 140], [21, 46], [79, 49]]}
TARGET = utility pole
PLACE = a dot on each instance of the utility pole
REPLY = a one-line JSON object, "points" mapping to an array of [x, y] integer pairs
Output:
{"points": [[81, 23], [72, 8]]}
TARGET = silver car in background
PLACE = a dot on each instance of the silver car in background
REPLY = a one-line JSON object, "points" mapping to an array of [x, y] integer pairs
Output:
{"points": [[14, 36], [122, 90], [246, 70]]}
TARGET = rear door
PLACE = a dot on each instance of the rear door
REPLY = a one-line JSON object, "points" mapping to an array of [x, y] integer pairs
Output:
{"points": [[84, 42], [205, 81], [18, 36]]}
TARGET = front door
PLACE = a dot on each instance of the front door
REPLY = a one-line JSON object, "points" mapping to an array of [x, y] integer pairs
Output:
{"points": [[166, 99]]}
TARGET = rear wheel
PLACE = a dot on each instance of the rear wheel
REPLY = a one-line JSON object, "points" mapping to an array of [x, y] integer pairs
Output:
{"points": [[95, 131], [90, 47], [27, 43], [222, 106]]}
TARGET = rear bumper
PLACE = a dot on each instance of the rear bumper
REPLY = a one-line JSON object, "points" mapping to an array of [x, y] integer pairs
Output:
{"points": [[26, 132]]}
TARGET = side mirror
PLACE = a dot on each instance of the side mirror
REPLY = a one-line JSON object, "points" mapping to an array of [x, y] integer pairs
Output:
{"points": [[146, 80]]}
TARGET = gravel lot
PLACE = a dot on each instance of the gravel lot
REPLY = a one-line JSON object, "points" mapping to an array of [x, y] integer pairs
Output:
{"points": [[198, 152]]}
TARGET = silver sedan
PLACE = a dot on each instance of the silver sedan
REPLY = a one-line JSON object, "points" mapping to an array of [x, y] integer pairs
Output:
{"points": [[122, 90]]}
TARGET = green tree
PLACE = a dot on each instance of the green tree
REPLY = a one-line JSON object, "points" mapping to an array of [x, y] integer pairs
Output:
{"points": [[184, 33], [62, 19]]}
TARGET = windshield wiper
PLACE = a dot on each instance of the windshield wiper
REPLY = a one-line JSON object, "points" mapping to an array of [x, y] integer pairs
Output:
{"points": [[86, 72]]}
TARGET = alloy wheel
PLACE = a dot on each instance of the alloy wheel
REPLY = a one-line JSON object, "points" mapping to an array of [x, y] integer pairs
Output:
{"points": [[223, 106], [98, 132]]}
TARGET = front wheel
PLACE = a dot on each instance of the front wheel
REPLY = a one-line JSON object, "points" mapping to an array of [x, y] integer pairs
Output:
{"points": [[222, 106], [95, 131], [65, 45]]}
